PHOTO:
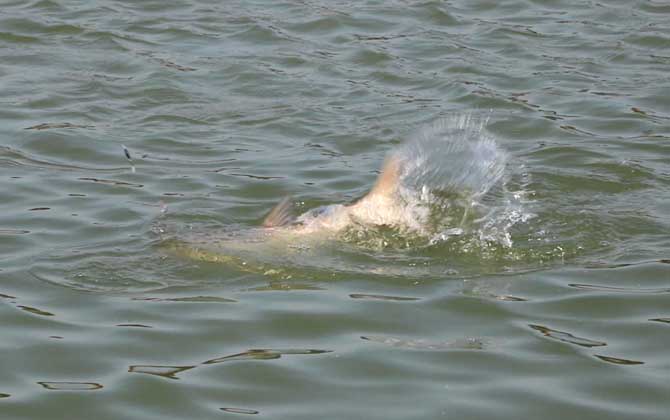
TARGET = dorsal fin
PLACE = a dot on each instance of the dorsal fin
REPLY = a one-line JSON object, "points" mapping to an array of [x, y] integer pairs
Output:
{"points": [[389, 179], [281, 214]]}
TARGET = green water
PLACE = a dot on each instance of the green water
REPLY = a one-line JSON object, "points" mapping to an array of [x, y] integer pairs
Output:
{"points": [[226, 107]]}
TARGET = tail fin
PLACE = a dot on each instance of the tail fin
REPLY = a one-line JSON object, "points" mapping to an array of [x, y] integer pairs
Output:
{"points": [[389, 178], [280, 215]]}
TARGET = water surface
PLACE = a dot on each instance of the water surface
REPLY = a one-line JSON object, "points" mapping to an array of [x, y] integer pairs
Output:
{"points": [[226, 107]]}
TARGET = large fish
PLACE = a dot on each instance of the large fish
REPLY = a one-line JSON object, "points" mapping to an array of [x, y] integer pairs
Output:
{"points": [[445, 169]]}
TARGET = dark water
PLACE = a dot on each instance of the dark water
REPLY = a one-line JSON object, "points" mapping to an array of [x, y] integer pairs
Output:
{"points": [[562, 310]]}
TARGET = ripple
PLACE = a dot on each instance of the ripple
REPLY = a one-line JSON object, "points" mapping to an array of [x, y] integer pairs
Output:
{"points": [[261, 177], [567, 337], [618, 361], [617, 289], [189, 299], [119, 267], [263, 354], [165, 62], [171, 372], [19, 158], [47, 126], [34, 311], [71, 386], [11, 38], [134, 325], [112, 182], [239, 410]]}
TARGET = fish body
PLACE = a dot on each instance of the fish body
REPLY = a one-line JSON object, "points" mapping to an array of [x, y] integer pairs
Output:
{"points": [[452, 158], [382, 206]]}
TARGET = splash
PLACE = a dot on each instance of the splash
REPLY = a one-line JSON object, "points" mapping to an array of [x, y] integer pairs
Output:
{"points": [[453, 184], [453, 155]]}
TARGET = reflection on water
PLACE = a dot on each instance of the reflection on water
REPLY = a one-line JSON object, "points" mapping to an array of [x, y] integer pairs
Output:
{"points": [[112, 182], [201, 299], [263, 354], [239, 410], [618, 361], [34, 310], [71, 386], [567, 337], [134, 325], [171, 372]]}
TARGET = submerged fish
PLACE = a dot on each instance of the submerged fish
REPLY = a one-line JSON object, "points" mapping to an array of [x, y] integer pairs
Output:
{"points": [[427, 188]]}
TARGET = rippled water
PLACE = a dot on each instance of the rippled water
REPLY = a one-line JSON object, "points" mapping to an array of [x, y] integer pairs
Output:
{"points": [[554, 305]]}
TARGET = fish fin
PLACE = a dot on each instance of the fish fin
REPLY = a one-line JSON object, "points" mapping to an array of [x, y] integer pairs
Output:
{"points": [[281, 214], [389, 178]]}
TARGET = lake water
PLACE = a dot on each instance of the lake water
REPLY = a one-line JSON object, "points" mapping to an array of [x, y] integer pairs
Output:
{"points": [[555, 305]]}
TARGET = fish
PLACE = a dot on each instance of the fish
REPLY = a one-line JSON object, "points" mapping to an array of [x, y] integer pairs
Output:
{"points": [[428, 187]]}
